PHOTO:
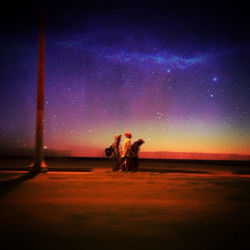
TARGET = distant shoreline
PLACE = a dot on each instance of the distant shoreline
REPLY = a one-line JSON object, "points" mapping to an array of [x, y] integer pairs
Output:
{"points": [[181, 161], [147, 155]]}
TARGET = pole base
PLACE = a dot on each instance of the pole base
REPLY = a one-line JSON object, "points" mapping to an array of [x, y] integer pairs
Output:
{"points": [[39, 167]]}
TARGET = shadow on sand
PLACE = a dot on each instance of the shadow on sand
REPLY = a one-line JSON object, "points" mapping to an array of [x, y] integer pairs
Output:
{"points": [[7, 185]]}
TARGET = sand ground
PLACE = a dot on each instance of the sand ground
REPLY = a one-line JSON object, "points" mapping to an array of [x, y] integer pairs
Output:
{"points": [[111, 210]]}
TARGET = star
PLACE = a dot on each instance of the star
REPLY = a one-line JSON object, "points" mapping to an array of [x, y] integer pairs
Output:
{"points": [[159, 115]]}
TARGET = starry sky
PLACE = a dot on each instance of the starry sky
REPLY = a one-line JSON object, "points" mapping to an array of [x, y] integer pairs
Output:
{"points": [[175, 73]]}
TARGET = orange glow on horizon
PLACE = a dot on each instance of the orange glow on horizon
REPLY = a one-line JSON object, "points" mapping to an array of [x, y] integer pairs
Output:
{"points": [[172, 140]]}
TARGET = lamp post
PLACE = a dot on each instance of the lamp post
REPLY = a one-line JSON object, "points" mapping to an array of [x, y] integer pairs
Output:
{"points": [[39, 164]]}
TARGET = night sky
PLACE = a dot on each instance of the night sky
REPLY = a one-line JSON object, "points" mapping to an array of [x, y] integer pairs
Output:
{"points": [[174, 73]]}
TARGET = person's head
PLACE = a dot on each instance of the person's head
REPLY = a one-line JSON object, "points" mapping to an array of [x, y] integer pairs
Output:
{"points": [[128, 134], [117, 137], [140, 141]]}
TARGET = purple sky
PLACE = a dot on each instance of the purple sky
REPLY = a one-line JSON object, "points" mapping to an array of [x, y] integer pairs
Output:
{"points": [[176, 76]]}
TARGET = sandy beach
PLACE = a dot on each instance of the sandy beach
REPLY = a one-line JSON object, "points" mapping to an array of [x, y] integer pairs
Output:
{"points": [[101, 209]]}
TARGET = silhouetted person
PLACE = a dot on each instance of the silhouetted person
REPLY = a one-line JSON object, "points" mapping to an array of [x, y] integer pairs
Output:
{"points": [[134, 150], [126, 156], [116, 156]]}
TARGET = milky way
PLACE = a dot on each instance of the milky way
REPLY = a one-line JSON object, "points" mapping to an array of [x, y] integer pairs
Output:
{"points": [[103, 78]]}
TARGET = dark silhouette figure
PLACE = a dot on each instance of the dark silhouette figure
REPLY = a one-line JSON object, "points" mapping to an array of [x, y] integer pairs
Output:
{"points": [[115, 153], [134, 150]]}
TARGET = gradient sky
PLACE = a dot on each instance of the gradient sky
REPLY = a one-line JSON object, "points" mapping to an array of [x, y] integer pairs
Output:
{"points": [[175, 74]]}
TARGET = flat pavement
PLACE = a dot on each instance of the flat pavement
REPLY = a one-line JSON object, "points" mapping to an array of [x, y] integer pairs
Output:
{"points": [[102, 209]]}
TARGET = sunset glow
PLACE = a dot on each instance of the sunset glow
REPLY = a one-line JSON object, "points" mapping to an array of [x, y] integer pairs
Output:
{"points": [[177, 85]]}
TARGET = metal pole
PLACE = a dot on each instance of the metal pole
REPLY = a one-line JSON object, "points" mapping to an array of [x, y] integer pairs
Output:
{"points": [[39, 163]]}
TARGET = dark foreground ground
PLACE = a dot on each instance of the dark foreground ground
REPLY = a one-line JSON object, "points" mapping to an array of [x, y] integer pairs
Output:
{"points": [[163, 206]]}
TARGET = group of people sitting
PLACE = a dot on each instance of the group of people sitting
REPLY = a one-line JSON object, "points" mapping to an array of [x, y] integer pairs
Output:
{"points": [[128, 160]]}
